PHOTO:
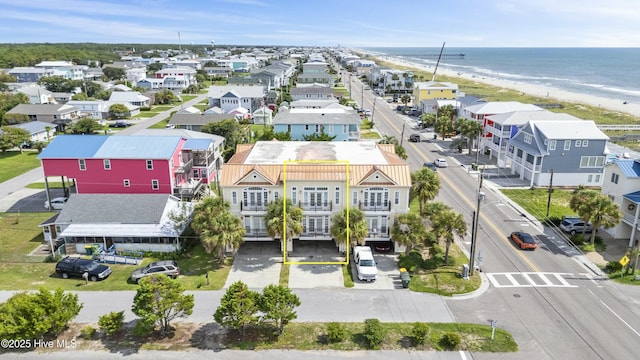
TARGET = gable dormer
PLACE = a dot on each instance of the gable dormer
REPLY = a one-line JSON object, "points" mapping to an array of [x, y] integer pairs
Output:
{"points": [[376, 177], [255, 177]]}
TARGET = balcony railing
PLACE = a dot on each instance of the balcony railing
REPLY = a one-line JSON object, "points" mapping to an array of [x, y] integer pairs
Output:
{"points": [[249, 232], [317, 233], [354, 134], [629, 217], [188, 189], [316, 206], [378, 233], [248, 206], [185, 168], [530, 166], [375, 206]]}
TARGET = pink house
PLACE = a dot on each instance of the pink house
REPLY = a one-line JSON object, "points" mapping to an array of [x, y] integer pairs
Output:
{"points": [[100, 164]]}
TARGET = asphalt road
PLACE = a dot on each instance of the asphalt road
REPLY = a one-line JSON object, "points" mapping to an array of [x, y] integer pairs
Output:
{"points": [[555, 306]]}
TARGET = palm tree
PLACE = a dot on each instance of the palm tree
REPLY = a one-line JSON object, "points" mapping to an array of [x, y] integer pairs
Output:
{"points": [[405, 99], [357, 231], [425, 184], [399, 149], [217, 227], [601, 212], [579, 203], [279, 227], [229, 232], [445, 224], [408, 230], [470, 129]]}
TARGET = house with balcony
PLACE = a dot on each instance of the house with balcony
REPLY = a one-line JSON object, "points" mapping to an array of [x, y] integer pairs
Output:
{"points": [[133, 164], [572, 151], [94, 109], [118, 223], [230, 97], [341, 123], [129, 97], [500, 128], [315, 176], [621, 183], [180, 75]]}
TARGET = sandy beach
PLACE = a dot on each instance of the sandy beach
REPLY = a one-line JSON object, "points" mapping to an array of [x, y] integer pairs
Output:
{"points": [[531, 89]]}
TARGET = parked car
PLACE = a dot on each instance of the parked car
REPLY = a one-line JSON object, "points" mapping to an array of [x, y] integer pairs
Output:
{"points": [[524, 240], [120, 124], [167, 267], [76, 267], [574, 225], [56, 203], [431, 166], [414, 137], [441, 163]]}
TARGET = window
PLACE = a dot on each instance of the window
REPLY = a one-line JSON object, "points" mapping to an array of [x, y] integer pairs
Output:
{"points": [[590, 178], [149, 164], [585, 143], [294, 195], [82, 164], [234, 197], [567, 144], [126, 183], [337, 196], [331, 129], [354, 198], [107, 164], [614, 178], [552, 145], [317, 128], [344, 129], [528, 138], [396, 198], [579, 144], [276, 195], [196, 173], [306, 127], [289, 128], [597, 178], [155, 184], [591, 161]]}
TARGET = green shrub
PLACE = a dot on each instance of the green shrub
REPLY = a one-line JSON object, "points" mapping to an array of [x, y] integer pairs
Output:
{"points": [[577, 239], [374, 332], [450, 340], [420, 331], [411, 261], [142, 328], [336, 332], [613, 266], [112, 322], [88, 332]]}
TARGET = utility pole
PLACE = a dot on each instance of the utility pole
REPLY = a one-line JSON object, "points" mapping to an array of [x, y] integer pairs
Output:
{"points": [[374, 108], [402, 134], [362, 95], [475, 225], [550, 191]]}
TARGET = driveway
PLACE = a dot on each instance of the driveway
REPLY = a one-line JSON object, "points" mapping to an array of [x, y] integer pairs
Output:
{"points": [[388, 274], [257, 264], [317, 274]]}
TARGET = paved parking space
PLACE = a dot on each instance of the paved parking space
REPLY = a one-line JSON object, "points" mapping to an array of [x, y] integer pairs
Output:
{"points": [[316, 276], [388, 274], [255, 271]]}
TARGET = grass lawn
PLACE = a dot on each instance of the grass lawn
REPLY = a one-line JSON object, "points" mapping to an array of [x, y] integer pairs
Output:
{"points": [[161, 108], [312, 336], [347, 276], [535, 201], [186, 98], [201, 107], [14, 163], [146, 114], [160, 124], [40, 185], [18, 270], [369, 135]]}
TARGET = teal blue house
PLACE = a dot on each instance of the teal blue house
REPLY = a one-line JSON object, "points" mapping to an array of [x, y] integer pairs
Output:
{"points": [[342, 123]]}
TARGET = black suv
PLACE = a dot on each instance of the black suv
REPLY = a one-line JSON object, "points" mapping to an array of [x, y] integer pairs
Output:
{"points": [[414, 137], [73, 266]]}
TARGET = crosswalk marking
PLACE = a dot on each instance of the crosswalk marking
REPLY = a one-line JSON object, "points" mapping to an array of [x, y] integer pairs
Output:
{"points": [[530, 279]]}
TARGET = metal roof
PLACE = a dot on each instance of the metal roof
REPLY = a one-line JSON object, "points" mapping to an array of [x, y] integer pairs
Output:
{"points": [[324, 116], [33, 126], [138, 147], [501, 107], [630, 168], [570, 129], [634, 196], [197, 144], [73, 147]]}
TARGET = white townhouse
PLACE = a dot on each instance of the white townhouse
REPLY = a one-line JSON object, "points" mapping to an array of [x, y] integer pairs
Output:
{"points": [[315, 177]]}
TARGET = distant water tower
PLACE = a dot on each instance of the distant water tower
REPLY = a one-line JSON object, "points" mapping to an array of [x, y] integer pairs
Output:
{"points": [[213, 44]]}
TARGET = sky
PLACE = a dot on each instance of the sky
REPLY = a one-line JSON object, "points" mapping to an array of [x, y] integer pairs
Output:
{"points": [[350, 23]]}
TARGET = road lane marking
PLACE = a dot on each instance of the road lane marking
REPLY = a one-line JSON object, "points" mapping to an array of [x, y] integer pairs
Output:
{"points": [[619, 318], [508, 280]]}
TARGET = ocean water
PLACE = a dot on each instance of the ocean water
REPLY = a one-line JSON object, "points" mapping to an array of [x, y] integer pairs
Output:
{"points": [[605, 72]]}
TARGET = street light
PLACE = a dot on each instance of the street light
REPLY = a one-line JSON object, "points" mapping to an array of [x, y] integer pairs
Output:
{"points": [[474, 227], [550, 191]]}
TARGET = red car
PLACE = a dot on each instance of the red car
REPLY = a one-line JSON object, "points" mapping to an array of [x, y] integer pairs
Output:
{"points": [[523, 240]]}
